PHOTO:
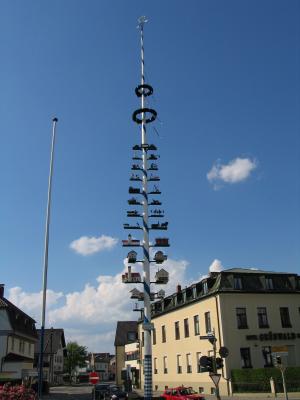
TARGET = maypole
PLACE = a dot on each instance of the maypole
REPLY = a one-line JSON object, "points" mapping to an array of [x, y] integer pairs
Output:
{"points": [[145, 156]]}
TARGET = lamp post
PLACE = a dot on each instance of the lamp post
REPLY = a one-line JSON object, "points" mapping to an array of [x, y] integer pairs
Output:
{"points": [[45, 271]]}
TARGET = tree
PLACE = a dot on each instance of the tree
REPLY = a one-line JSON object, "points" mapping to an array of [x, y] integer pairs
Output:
{"points": [[76, 356]]}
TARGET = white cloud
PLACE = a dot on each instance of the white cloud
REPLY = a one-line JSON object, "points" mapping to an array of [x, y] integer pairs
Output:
{"points": [[32, 302], [89, 245], [216, 266], [90, 315], [235, 171]]}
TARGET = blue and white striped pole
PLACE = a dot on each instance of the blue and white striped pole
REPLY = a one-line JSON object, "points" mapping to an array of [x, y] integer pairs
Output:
{"points": [[146, 261]]}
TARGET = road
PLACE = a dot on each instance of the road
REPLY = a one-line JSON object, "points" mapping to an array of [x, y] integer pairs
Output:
{"points": [[80, 392]]}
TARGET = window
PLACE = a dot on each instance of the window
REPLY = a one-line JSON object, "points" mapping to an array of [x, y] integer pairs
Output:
{"points": [[262, 317], [179, 365], [155, 365], [186, 327], [201, 389], [285, 317], [165, 365], [246, 357], [188, 364], [205, 287], [269, 284], [241, 318], [198, 356], [131, 336], [177, 331], [12, 343], [207, 322], [237, 283], [163, 334], [267, 356], [143, 339], [196, 325], [154, 336]]}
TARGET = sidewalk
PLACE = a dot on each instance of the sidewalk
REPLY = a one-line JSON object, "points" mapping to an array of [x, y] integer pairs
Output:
{"points": [[238, 396]]}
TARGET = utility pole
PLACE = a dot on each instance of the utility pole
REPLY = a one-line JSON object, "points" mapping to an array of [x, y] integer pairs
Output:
{"points": [[45, 272], [143, 173]]}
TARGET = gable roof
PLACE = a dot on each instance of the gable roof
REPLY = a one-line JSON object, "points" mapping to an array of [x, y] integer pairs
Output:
{"points": [[54, 339], [123, 327], [20, 322]]}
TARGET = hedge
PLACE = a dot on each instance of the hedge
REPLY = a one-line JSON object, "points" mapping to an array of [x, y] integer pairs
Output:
{"points": [[258, 379]]}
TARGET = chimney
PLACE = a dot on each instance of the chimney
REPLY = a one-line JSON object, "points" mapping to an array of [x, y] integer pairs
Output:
{"points": [[178, 288], [1, 290]]}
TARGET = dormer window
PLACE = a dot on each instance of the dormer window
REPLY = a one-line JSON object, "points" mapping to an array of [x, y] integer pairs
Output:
{"points": [[205, 287], [238, 283], [131, 336], [269, 283]]}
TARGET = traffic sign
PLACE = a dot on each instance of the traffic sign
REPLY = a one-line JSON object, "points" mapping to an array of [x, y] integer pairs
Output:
{"points": [[148, 326], [94, 378], [215, 378], [224, 352]]}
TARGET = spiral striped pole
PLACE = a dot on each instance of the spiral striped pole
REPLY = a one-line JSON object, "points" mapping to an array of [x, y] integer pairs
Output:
{"points": [[146, 262]]}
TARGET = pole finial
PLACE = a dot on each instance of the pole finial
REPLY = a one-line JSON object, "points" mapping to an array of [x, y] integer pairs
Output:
{"points": [[141, 21], [54, 119]]}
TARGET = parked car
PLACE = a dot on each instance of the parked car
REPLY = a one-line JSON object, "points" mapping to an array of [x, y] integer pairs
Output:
{"points": [[101, 391], [116, 393], [181, 393], [108, 392]]}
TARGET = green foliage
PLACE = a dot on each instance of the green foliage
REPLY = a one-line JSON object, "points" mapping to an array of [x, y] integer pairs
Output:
{"points": [[258, 379], [76, 357]]}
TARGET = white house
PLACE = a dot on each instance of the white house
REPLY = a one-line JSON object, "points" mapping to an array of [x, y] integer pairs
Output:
{"points": [[17, 339]]}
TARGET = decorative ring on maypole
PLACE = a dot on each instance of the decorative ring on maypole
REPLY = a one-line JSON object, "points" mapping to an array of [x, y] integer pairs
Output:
{"points": [[144, 90], [143, 111]]}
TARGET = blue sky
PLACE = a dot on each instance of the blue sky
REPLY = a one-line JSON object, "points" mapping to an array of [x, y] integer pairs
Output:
{"points": [[226, 81]]}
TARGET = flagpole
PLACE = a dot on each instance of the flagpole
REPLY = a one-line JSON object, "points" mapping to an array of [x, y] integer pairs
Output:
{"points": [[45, 271]]}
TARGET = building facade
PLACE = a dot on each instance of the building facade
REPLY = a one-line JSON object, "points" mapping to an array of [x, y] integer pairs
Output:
{"points": [[18, 336], [126, 333], [250, 311], [101, 365], [132, 362], [54, 355]]}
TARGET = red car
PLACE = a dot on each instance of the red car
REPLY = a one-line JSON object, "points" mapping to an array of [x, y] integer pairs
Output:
{"points": [[181, 393]]}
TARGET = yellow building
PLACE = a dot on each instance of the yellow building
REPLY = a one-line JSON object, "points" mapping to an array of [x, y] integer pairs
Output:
{"points": [[249, 310]]}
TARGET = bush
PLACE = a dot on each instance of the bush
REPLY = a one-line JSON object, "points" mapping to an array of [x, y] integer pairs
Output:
{"points": [[258, 379], [18, 392]]}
